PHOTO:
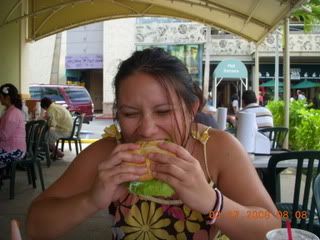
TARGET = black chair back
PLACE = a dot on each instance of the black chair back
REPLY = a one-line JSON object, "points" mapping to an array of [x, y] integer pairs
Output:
{"points": [[34, 130], [276, 135], [78, 125], [316, 193], [307, 163]]}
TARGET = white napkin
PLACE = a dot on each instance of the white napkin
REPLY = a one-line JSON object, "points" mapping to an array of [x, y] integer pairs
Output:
{"points": [[246, 130], [263, 145], [222, 118]]}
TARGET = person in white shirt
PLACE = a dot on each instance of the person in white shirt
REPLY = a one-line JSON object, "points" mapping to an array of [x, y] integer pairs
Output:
{"points": [[300, 95], [263, 115]]}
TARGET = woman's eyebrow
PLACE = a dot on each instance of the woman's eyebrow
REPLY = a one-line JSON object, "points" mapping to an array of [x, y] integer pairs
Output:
{"points": [[163, 105], [127, 106], [156, 106]]}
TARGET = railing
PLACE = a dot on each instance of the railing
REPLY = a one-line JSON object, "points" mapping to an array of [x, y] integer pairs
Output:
{"points": [[223, 44]]}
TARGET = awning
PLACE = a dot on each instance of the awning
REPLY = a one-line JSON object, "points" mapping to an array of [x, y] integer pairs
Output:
{"points": [[251, 19], [230, 69], [270, 83], [305, 84]]}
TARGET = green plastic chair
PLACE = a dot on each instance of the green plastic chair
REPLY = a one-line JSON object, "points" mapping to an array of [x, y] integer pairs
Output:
{"points": [[276, 135], [297, 206], [74, 136], [43, 151], [30, 161]]}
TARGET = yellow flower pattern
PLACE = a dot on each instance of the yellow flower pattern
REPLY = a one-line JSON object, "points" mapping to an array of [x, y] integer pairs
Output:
{"points": [[112, 132], [203, 137], [191, 222], [146, 223], [146, 220]]}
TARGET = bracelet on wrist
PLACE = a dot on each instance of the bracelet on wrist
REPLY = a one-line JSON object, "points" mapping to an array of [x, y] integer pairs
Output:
{"points": [[217, 208]]}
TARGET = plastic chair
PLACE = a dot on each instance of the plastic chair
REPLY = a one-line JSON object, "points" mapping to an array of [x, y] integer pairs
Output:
{"points": [[43, 151], [316, 193], [30, 161], [74, 136], [276, 135], [296, 209]]}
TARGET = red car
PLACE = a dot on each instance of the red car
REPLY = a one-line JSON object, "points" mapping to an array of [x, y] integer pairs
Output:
{"points": [[75, 98]]}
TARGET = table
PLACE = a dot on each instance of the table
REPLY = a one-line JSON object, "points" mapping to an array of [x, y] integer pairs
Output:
{"points": [[261, 161]]}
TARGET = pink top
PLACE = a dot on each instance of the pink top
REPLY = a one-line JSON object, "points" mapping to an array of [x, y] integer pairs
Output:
{"points": [[12, 130]]}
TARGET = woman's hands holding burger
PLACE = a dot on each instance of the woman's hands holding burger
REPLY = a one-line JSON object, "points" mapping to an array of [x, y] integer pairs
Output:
{"points": [[112, 173], [184, 173]]}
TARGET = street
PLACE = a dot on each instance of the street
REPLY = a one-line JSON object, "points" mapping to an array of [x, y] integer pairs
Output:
{"points": [[94, 129]]}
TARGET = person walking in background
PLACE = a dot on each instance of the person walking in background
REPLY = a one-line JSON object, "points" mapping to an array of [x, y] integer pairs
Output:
{"points": [[261, 101], [300, 95], [12, 126], [235, 103], [59, 121], [263, 115]]}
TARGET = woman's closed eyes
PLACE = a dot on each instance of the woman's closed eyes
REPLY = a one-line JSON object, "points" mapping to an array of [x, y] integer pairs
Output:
{"points": [[160, 112]]}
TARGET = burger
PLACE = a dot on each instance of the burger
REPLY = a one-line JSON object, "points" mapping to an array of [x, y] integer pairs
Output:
{"points": [[147, 184]]}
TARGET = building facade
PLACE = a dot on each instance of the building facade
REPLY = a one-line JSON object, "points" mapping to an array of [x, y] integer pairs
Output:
{"points": [[96, 51]]}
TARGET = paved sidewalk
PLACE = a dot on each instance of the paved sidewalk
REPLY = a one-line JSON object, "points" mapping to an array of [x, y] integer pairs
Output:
{"points": [[95, 228]]}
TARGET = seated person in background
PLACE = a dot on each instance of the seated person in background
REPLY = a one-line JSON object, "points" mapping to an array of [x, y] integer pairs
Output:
{"points": [[235, 103], [12, 126], [59, 121], [263, 115], [203, 116], [155, 100]]}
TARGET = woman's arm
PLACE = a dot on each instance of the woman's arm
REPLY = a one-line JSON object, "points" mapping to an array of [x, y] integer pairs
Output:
{"points": [[91, 182], [66, 203], [248, 211]]}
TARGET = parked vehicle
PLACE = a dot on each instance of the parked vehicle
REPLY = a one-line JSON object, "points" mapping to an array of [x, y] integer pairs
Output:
{"points": [[75, 98]]}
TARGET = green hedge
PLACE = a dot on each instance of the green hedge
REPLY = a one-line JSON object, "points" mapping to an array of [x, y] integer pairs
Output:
{"points": [[304, 131]]}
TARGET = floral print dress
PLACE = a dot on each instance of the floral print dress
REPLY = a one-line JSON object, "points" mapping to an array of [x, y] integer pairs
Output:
{"points": [[147, 218]]}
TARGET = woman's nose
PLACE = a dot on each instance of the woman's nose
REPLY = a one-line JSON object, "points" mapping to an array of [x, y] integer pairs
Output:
{"points": [[148, 126]]}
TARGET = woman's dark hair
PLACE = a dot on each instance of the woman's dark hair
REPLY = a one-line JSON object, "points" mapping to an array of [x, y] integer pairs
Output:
{"points": [[10, 90], [45, 103], [249, 97], [199, 93], [234, 97], [168, 70]]}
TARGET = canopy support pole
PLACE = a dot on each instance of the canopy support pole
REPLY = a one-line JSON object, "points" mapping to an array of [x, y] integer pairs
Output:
{"points": [[255, 83], [214, 92], [286, 76], [276, 69], [207, 64]]}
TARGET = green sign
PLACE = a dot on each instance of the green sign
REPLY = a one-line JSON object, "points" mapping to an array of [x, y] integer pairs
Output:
{"points": [[230, 69]]}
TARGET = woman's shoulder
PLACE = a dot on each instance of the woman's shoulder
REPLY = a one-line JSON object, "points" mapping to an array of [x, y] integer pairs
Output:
{"points": [[103, 147], [222, 142]]}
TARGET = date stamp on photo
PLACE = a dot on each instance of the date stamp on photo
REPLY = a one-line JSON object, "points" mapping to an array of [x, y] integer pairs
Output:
{"points": [[257, 214]]}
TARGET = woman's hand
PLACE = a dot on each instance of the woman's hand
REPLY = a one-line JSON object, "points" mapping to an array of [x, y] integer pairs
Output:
{"points": [[184, 173], [113, 172]]}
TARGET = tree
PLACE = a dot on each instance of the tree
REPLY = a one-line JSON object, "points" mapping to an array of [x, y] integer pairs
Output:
{"points": [[309, 14]]}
